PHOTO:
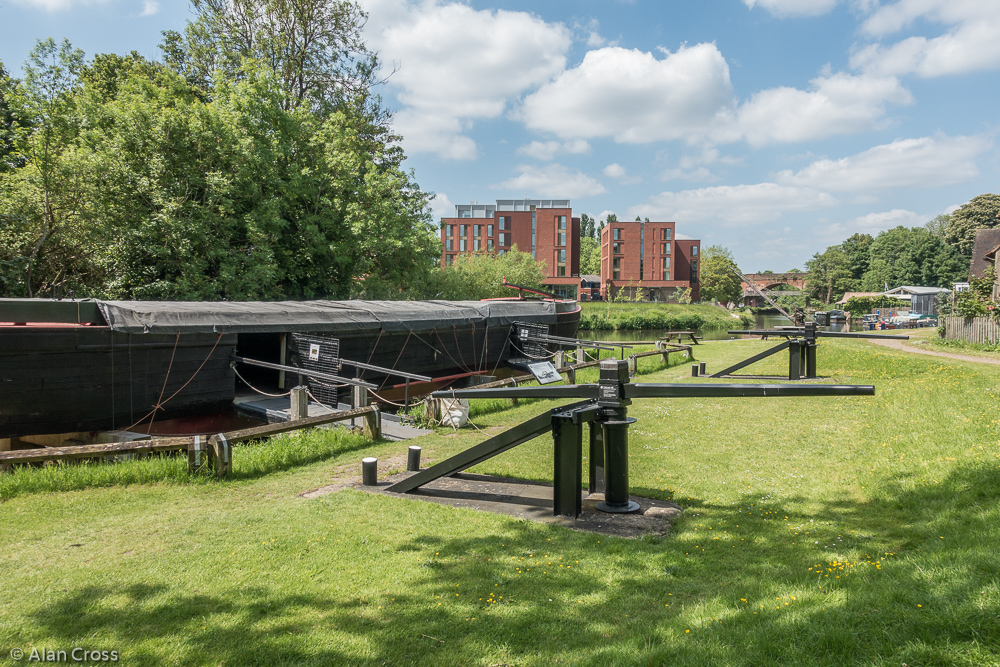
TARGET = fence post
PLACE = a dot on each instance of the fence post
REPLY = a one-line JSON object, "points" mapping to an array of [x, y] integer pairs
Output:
{"points": [[373, 424], [298, 404], [221, 453]]}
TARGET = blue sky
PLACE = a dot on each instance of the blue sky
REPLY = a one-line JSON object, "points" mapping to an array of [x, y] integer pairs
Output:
{"points": [[774, 128]]}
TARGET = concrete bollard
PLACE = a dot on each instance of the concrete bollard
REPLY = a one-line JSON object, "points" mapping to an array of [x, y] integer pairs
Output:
{"points": [[369, 471], [413, 458]]}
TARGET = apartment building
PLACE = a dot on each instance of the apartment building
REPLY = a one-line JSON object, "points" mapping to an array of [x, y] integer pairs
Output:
{"points": [[648, 256], [545, 228]]}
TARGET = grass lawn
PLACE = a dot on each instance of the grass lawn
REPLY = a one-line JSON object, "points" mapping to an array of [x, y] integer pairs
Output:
{"points": [[828, 531], [603, 315]]}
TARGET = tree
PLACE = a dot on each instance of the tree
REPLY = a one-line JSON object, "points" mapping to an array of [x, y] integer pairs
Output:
{"points": [[857, 247], [480, 275], [588, 227], [718, 279], [939, 225], [979, 213], [314, 48], [902, 256], [829, 274], [590, 256]]}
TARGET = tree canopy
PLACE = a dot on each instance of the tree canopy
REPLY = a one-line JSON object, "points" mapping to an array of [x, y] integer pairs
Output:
{"points": [[979, 213], [718, 280], [132, 179]]}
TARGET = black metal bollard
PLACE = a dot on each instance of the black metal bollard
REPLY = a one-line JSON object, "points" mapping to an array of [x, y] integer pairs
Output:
{"points": [[616, 467], [369, 471], [694, 370], [413, 458], [701, 368]]}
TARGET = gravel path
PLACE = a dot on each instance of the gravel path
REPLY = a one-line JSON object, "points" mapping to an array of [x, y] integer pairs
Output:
{"points": [[900, 345]]}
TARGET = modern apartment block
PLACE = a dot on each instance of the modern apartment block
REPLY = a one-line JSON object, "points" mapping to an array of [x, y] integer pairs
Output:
{"points": [[647, 255], [545, 228]]}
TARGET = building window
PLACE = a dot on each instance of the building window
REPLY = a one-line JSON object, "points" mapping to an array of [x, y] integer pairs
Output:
{"points": [[616, 268], [666, 268], [450, 230], [562, 222], [489, 230], [504, 222], [477, 230], [666, 234], [618, 233], [562, 239], [501, 252], [466, 214], [503, 241], [475, 245], [618, 248], [665, 249], [533, 220], [561, 263], [448, 245], [449, 260], [461, 230], [461, 245], [694, 270], [489, 244], [694, 251]]}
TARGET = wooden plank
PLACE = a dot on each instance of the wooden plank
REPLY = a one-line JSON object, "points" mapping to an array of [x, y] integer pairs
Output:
{"points": [[258, 432], [91, 451]]}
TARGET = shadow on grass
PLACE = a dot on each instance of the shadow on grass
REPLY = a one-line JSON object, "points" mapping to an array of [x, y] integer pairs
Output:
{"points": [[861, 583]]}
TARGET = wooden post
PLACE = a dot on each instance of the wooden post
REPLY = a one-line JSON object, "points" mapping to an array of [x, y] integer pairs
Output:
{"points": [[359, 397], [298, 404], [373, 424], [4, 447], [581, 355], [197, 454], [633, 364], [221, 453], [559, 359], [570, 375]]}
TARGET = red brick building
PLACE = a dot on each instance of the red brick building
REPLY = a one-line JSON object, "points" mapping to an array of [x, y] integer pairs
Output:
{"points": [[545, 228], [648, 256]]}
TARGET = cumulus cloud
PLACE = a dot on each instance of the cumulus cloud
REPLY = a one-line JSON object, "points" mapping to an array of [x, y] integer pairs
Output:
{"points": [[149, 8], [633, 96], [786, 8], [969, 44], [554, 180], [923, 162], [442, 207], [733, 205], [620, 174], [836, 104], [872, 223], [454, 65], [548, 150]]}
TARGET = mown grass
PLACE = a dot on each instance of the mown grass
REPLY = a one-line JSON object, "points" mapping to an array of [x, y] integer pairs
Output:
{"points": [[831, 531], [605, 316]]}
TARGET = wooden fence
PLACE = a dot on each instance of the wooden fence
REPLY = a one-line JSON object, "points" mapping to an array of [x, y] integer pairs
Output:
{"points": [[972, 329]]}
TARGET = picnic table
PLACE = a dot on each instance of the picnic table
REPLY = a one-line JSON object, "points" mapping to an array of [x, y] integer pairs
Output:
{"points": [[680, 336]]}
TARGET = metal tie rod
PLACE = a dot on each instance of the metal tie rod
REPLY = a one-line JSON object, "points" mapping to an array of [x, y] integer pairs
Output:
{"points": [[329, 377], [575, 341], [677, 390], [825, 334], [387, 371]]}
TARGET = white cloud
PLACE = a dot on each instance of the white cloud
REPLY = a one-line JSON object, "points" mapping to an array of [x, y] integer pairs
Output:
{"points": [[58, 5], [547, 150], [442, 207], [695, 175], [553, 180], [634, 97], [873, 223], [924, 162], [969, 44], [837, 104], [620, 174], [455, 65], [149, 8], [785, 8], [732, 205]]}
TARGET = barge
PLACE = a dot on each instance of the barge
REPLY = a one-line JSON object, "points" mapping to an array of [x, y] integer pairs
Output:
{"points": [[89, 365]]}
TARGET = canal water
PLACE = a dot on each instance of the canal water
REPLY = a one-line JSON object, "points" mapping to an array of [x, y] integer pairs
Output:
{"points": [[761, 322]]}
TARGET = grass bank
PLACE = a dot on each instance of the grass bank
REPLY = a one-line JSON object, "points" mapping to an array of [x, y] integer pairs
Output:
{"points": [[665, 316], [830, 531]]}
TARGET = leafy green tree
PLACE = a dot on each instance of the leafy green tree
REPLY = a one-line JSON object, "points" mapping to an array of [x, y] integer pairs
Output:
{"points": [[902, 256], [829, 274], [939, 225], [590, 256], [979, 213], [314, 48], [481, 275], [857, 247], [718, 279]]}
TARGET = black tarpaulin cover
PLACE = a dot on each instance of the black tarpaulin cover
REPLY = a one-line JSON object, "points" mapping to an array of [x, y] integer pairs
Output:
{"points": [[343, 317]]}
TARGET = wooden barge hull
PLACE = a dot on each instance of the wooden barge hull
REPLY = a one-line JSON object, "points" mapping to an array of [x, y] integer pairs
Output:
{"points": [[106, 365]]}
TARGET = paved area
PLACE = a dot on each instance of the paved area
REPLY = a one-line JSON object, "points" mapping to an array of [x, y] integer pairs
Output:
{"points": [[902, 345], [275, 409], [532, 501]]}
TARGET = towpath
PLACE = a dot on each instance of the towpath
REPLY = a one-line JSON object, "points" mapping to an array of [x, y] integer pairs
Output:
{"points": [[900, 345]]}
